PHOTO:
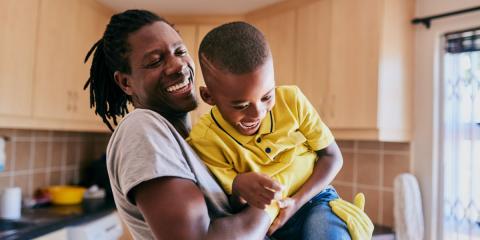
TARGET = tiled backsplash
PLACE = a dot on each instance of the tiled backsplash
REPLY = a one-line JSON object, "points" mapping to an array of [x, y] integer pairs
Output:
{"points": [[36, 159], [370, 167], [40, 158]]}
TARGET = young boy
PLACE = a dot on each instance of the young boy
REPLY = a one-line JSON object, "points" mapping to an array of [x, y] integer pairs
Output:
{"points": [[266, 145]]}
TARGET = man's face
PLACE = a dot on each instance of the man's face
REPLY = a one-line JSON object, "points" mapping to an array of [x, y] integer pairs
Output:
{"points": [[162, 71], [243, 100]]}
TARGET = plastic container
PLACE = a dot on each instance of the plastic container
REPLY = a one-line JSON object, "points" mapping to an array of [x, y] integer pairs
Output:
{"points": [[66, 195]]}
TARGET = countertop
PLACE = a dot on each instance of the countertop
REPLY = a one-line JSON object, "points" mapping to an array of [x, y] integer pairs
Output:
{"points": [[51, 218]]}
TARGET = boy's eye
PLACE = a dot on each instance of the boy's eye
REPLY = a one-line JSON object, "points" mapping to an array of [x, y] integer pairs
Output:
{"points": [[240, 107], [154, 62], [266, 98]]}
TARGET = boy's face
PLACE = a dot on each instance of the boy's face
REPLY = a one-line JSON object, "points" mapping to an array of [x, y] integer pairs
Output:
{"points": [[243, 100]]}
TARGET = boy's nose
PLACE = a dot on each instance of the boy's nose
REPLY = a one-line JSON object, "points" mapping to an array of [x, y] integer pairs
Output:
{"points": [[256, 112]]}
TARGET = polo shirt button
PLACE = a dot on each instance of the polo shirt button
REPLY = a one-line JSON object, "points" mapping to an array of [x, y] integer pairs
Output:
{"points": [[268, 150], [259, 140]]}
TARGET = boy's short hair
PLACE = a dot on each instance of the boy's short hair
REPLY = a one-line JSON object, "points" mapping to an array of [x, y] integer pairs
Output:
{"points": [[235, 47]]}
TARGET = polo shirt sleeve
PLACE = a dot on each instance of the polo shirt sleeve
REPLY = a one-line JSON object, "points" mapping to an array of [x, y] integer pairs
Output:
{"points": [[310, 124], [209, 148]]}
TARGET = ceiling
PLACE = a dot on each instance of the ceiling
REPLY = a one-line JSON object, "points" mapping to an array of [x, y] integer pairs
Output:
{"points": [[190, 7]]}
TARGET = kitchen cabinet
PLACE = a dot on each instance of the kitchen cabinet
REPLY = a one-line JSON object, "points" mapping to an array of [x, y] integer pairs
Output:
{"points": [[279, 30], [371, 69], [18, 22], [351, 58], [60, 73]]}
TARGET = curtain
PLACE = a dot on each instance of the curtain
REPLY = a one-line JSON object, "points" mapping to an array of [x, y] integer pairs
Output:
{"points": [[460, 135]]}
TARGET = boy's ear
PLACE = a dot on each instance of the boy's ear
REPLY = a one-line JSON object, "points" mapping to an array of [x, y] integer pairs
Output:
{"points": [[206, 96], [123, 82]]}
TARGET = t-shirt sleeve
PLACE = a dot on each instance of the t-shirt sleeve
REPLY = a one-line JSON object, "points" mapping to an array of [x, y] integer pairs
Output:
{"points": [[311, 125], [147, 149]]}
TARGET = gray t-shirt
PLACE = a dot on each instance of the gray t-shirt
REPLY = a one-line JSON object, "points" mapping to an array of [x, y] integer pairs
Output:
{"points": [[145, 146]]}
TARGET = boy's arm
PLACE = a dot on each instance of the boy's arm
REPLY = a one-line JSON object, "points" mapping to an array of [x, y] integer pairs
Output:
{"points": [[175, 208], [329, 163]]}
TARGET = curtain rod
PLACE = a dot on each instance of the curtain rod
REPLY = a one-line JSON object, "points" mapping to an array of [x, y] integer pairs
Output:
{"points": [[426, 21]]}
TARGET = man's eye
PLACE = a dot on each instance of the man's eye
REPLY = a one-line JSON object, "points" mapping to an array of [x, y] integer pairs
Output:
{"points": [[154, 63], [182, 52]]}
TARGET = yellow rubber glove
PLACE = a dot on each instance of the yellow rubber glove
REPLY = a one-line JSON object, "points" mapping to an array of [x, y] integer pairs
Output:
{"points": [[358, 223]]}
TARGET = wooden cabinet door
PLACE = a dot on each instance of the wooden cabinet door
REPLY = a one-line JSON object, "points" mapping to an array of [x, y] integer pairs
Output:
{"points": [[279, 29], [354, 63], [56, 59], [313, 53], [91, 21], [18, 24]]}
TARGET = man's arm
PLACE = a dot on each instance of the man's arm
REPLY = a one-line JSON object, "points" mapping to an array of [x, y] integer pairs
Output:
{"points": [[175, 208]]}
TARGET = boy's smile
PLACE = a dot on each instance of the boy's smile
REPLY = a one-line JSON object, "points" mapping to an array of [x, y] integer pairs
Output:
{"points": [[243, 100]]}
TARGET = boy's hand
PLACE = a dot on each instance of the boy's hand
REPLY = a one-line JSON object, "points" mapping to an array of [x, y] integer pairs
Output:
{"points": [[256, 189], [288, 207]]}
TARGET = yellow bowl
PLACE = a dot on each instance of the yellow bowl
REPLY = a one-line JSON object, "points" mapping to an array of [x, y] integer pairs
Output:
{"points": [[66, 195]]}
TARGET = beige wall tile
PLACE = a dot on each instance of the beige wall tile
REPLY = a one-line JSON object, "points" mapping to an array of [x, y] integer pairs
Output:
{"points": [[346, 173], [345, 144], [369, 145], [372, 203], [55, 178], [4, 182], [387, 208], [41, 155], [23, 133], [8, 155], [69, 176], [368, 169], [72, 154], [39, 181], [42, 133], [22, 182], [57, 154], [394, 164], [391, 146], [22, 155], [345, 192]]}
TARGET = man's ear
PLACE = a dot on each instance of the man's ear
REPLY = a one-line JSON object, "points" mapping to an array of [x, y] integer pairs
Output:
{"points": [[123, 82], [206, 96]]}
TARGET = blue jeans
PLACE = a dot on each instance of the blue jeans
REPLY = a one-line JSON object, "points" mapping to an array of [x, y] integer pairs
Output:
{"points": [[315, 220]]}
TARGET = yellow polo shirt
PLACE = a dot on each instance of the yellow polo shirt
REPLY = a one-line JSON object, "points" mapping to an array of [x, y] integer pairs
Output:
{"points": [[283, 148]]}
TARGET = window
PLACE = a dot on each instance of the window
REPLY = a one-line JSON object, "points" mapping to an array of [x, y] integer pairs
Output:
{"points": [[461, 135]]}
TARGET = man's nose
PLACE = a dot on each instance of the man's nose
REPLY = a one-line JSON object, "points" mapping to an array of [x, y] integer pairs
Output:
{"points": [[174, 65]]}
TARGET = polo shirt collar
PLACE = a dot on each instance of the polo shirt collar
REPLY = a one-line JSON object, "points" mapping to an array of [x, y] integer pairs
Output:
{"points": [[266, 126]]}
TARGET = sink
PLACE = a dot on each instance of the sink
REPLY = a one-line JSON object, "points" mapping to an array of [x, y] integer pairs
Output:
{"points": [[8, 225]]}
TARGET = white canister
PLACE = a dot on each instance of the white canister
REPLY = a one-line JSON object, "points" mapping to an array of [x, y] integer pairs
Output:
{"points": [[11, 203]]}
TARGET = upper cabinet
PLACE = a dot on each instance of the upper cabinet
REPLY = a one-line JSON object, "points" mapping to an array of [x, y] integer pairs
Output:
{"points": [[18, 24], [42, 73], [60, 73], [353, 60]]}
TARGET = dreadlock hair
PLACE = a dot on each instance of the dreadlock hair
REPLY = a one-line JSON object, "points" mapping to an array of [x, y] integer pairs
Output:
{"points": [[235, 47], [110, 54]]}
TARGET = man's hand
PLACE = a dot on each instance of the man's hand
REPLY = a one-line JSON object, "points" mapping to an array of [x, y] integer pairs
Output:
{"points": [[256, 189], [288, 207], [359, 225]]}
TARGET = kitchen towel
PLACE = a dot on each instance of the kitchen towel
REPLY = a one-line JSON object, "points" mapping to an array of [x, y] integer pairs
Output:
{"points": [[408, 212], [11, 203]]}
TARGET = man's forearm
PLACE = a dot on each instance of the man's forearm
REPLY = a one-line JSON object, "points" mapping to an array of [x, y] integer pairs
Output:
{"points": [[251, 223], [328, 165]]}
